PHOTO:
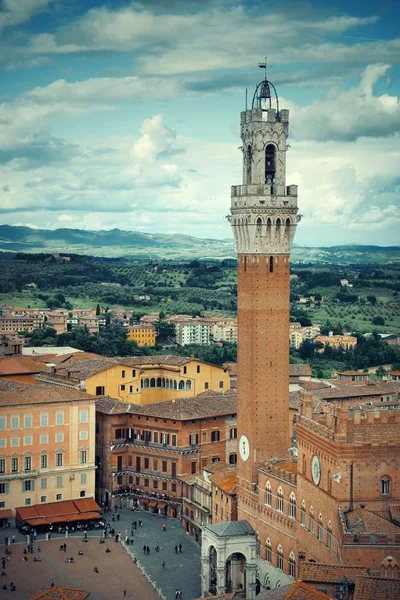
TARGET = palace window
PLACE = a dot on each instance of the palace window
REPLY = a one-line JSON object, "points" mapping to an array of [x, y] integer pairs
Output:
{"points": [[329, 535], [320, 528], [385, 486], [303, 514], [292, 506], [312, 522], [268, 494], [279, 558], [292, 565], [268, 551], [280, 500]]}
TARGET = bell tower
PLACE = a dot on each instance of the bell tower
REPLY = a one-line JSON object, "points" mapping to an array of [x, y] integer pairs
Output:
{"points": [[263, 218]]}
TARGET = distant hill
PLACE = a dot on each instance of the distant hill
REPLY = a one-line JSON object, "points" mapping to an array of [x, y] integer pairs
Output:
{"points": [[116, 243]]}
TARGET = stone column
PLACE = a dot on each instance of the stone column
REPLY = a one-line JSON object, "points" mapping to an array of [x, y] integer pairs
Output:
{"points": [[235, 571], [221, 578], [251, 576], [205, 575]]}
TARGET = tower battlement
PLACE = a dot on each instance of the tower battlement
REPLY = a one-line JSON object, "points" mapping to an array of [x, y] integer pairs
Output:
{"points": [[367, 426]]}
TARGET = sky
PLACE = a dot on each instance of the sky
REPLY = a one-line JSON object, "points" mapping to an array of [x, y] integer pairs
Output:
{"points": [[126, 114]]}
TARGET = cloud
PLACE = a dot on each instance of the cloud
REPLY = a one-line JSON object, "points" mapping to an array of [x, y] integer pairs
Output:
{"points": [[17, 12], [173, 40], [349, 114]]}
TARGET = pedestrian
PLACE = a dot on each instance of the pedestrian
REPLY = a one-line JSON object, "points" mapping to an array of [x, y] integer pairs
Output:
{"points": [[164, 527], [176, 549], [179, 593], [144, 549], [38, 549], [113, 519], [180, 548], [13, 539], [3, 562], [124, 593], [176, 593], [6, 540], [85, 534], [118, 517], [96, 570], [148, 549], [163, 564], [52, 582], [12, 587]]}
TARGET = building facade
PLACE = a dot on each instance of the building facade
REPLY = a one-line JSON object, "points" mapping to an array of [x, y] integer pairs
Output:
{"points": [[47, 444], [143, 335]]}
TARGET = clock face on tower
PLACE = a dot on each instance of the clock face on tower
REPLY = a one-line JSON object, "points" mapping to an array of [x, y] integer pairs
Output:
{"points": [[244, 448], [316, 469]]}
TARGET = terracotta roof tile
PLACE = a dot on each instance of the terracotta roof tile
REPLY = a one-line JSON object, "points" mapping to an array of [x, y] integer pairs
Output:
{"points": [[349, 391], [362, 521], [302, 591], [319, 572], [13, 393], [395, 512], [371, 588], [208, 404], [20, 365], [226, 480]]}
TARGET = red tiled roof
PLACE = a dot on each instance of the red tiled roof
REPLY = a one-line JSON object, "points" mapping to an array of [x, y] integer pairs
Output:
{"points": [[302, 591], [330, 573], [20, 365], [362, 521], [225, 479], [15, 393], [372, 588], [395, 512], [203, 406]]}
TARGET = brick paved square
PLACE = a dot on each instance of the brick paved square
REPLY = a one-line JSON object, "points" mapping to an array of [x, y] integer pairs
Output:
{"points": [[116, 571]]}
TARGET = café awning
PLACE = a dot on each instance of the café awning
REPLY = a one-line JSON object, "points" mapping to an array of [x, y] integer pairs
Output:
{"points": [[6, 514], [153, 503]]}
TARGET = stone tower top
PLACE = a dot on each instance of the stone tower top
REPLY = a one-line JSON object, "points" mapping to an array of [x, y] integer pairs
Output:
{"points": [[264, 208]]}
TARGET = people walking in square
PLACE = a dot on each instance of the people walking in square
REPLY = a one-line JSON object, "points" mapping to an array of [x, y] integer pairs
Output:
{"points": [[163, 564], [148, 549], [176, 549], [180, 548], [13, 539]]}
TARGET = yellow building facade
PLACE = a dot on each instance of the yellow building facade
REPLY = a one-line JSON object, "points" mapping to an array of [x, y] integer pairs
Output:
{"points": [[149, 379], [143, 335], [47, 444]]}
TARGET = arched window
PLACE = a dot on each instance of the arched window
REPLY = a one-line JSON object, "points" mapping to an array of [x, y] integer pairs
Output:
{"points": [[271, 264], [385, 485], [248, 164], [158, 381], [259, 226], [141, 383], [303, 514], [279, 557], [163, 382], [278, 225], [152, 382], [268, 551], [181, 385], [146, 383], [292, 565], [188, 384], [292, 506], [268, 494], [270, 164], [269, 224], [280, 500], [329, 535], [312, 521], [320, 528]]}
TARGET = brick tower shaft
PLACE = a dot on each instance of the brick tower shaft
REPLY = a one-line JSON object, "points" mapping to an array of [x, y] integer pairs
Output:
{"points": [[264, 219]]}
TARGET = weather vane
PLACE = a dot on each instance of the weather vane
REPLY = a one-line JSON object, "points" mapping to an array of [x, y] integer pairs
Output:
{"points": [[264, 65]]}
